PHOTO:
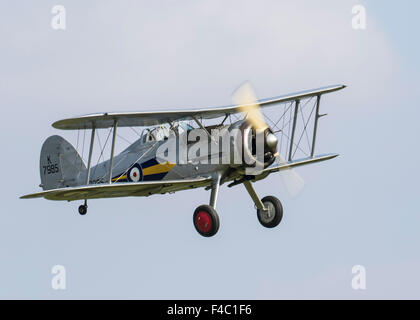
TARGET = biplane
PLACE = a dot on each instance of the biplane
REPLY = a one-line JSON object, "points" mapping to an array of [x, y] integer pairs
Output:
{"points": [[180, 150]]}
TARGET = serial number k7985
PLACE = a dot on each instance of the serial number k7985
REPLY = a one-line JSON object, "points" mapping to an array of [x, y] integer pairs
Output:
{"points": [[51, 168]]}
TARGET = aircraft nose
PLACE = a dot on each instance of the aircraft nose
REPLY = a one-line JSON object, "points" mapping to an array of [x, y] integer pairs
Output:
{"points": [[271, 141]]}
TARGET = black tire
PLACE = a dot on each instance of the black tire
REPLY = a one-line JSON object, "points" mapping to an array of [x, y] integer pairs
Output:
{"points": [[211, 220], [276, 208], [82, 210]]}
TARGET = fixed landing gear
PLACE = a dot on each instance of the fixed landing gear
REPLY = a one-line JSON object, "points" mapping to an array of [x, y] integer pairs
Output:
{"points": [[83, 209], [269, 209], [271, 217], [206, 220]]}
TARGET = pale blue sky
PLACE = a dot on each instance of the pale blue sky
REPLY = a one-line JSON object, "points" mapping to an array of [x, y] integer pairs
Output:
{"points": [[361, 208]]}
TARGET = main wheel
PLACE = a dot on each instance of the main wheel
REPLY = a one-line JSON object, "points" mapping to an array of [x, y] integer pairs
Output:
{"points": [[83, 209], [274, 213], [206, 221]]}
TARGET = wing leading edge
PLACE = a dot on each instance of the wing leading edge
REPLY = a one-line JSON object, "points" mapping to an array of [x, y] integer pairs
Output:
{"points": [[132, 119]]}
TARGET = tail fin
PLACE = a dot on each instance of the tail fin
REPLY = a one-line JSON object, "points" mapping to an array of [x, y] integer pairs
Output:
{"points": [[60, 165]]}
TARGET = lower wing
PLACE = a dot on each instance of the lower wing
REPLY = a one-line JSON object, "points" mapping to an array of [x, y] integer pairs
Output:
{"points": [[119, 189], [290, 165], [300, 162]]}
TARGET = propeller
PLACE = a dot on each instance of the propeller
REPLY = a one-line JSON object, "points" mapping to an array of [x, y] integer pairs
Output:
{"points": [[246, 100], [292, 181]]}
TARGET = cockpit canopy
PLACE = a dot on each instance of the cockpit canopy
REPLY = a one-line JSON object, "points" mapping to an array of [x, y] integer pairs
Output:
{"points": [[154, 134], [162, 132]]}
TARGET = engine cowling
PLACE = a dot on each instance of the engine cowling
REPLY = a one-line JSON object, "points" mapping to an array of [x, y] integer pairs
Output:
{"points": [[244, 145]]}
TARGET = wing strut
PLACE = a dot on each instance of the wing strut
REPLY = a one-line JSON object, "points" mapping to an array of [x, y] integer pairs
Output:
{"points": [[293, 129], [317, 116], [204, 128], [114, 135], [92, 140]]}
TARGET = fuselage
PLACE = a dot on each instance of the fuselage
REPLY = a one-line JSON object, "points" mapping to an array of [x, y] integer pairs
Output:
{"points": [[144, 160]]}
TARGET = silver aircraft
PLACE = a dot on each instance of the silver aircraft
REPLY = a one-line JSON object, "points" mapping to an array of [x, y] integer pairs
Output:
{"points": [[173, 155]]}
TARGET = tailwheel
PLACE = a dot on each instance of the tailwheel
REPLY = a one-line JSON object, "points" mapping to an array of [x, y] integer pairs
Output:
{"points": [[83, 209], [271, 217], [206, 221]]}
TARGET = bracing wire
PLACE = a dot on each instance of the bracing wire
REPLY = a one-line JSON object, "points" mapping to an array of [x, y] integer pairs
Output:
{"points": [[125, 172], [304, 130], [135, 131], [102, 152], [121, 137]]}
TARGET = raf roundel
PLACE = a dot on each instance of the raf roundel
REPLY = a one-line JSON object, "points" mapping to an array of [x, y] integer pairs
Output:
{"points": [[135, 174]]}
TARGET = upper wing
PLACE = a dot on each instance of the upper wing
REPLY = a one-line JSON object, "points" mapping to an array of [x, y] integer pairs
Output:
{"points": [[132, 119], [119, 189]]}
